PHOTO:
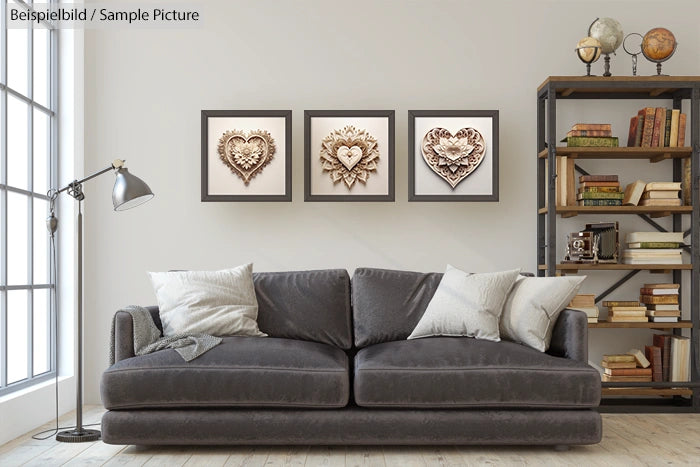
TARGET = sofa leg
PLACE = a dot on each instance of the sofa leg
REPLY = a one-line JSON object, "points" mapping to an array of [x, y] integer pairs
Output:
{"points": [[561, 447]]}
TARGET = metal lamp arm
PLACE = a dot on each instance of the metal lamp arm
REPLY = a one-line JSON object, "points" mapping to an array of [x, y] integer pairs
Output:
{"points": [[74, 187]]}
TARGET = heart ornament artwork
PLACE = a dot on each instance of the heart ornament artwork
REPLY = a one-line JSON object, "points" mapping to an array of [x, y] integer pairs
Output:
{"points": [[246, 153], [349, 155], [453, 157]]}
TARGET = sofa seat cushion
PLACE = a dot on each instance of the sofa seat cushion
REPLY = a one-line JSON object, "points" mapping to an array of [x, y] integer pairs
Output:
{"points": [[240, 372], [462, 372]]}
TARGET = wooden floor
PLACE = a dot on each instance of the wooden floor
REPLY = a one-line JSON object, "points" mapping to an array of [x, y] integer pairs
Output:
{"points": [[670, 439]]}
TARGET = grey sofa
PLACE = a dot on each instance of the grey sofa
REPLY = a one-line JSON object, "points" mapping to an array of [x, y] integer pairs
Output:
{"points": [[337, 369]]}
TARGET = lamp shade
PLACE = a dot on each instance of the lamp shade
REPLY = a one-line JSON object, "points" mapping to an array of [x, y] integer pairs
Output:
{"points": [[129, 191]]}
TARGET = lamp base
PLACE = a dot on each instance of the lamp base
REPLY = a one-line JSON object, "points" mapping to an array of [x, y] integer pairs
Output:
{"points": [[75, 436]]}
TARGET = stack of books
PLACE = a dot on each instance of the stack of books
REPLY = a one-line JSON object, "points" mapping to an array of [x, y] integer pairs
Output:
{"points": [[653, 248], [655, 127], [599, 190], [675, 357], [627, 311], [630, 367], [585, 303], [661, 301], [591, 135], [661, 194]]}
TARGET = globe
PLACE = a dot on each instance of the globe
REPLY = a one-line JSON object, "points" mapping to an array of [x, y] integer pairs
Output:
{"points": [[609, 32], [658, 44], [588, 49]]}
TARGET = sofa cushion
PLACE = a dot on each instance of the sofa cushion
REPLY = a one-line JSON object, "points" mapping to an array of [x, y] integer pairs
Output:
{"points": [[461, 372], [387, 304], [306, 305], [240, 372]]}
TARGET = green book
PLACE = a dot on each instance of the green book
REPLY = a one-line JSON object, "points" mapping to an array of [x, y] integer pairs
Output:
{"points": [[667, 128], [600, 202], [592, 141], [600, 195], [653, 245]]}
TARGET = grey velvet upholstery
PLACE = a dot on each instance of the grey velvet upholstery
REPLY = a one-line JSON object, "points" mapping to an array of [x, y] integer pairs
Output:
{"points": [[570, 336], [388, 304], [354, 426], [240, 372], [459, 372], [306, 305]]}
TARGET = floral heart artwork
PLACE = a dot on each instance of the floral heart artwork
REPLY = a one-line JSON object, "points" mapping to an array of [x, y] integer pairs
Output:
{"points": [[349, 155], [453, 157], [246, 153]]}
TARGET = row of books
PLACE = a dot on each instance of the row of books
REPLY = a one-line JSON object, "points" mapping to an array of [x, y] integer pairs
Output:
{"points": [[605, 190], [655, 127], [639, 193], [585, 303], [591, 135], [667, 359], [599, 190], [653, 248]]}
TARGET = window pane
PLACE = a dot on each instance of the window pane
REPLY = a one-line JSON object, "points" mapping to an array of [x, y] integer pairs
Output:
{"points": [[16, 335], [41, 242], [42, 327], [41, 65], [17, 238], [41, 152], [17, 59], [17, 139]]}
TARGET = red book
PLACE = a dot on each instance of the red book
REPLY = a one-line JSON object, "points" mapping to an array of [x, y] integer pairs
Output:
{"points": [[659, 124], [663, 341], [648, 130], [653, 354], [589, 133], [640, 128], [634, 121], [592, 126], [681, 130]]}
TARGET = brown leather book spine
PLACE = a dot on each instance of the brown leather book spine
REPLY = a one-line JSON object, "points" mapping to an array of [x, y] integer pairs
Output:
{"points": [[659, 122], [649, 113], [634, 121]]}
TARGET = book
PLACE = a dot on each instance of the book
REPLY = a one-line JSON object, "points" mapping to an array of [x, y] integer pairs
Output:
{"points": [[648, 130], [627, 319], [663, 319], [600, 195], [582, 300], [663, 341], [667, 129], [661, 307], [592, 142], [653, 245], [626, 379], [616, 365], [660, 194], [645, 291], [640, 128], [659, 261], [589, 184], [621, 357], [607, 133], [653, 354], [610, 303], [592, 126], [673, 140], [599, 189], [661, 186], [676, 237], [598, 178], [628, 371], [659, 121], [652, 252], [600, 202], [634, 121], [660, 202], [668, 285], [639, 356], [591, 311], [619, 309], [680, 359], [592, 319], [686, 183], [656, 299], [664, 313], [633, 193], [681, 130]]}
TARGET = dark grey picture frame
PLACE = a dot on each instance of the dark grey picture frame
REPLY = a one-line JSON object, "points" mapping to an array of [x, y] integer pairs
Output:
{"points": [[412, 115], [309, 114], [287, 115]]}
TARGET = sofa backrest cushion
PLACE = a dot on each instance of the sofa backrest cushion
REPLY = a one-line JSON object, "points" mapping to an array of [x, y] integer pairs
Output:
{"points": [[388, 304], [307, 305]]}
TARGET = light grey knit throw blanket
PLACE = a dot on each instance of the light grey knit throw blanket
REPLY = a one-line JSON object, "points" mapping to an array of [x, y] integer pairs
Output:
{"points": [[147, 337]]}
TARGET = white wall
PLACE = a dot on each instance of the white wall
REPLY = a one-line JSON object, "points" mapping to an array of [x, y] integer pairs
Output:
{"points": [[145, 88]]}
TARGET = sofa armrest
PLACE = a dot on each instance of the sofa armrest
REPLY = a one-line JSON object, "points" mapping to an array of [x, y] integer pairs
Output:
{"points": [[570, 336], [124, 333]]}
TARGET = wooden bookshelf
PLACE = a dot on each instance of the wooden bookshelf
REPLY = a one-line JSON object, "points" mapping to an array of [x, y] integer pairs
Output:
{"points": [[653, 211], [639, 391], [651, 154], [649, 325], [573, 268]]}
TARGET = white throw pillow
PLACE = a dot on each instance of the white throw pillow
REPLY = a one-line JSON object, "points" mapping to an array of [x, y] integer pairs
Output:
{"points": [[220, 303], [533, 306], [466, 305]]}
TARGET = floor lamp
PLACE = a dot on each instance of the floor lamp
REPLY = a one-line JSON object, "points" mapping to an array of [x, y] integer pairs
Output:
{"points": [[129, 191]]}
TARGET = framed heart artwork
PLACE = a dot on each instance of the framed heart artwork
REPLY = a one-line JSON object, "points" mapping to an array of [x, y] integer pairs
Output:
{"points": [[246, 155], [349, 155], [453, 155]]}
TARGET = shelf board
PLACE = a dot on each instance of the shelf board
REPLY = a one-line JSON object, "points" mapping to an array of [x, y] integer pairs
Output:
{"points": [[652, 154], [617, 267], [648, 325], [653, 211], [642, 86], [630, 391]]}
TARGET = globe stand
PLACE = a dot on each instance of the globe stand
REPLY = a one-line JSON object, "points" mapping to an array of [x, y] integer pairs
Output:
{"points": [[593, 57], [607, 66]]}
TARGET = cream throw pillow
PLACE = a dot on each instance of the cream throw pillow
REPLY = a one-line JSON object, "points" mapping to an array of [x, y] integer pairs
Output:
{"points": [[466, 305], [533, 307], [220, 303]]}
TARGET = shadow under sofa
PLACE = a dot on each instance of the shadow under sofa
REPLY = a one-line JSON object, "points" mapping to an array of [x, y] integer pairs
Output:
{"points": [[337, 369]]}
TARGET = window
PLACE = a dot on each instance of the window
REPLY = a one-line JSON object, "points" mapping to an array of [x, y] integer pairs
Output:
{"points": [[27, 171]]}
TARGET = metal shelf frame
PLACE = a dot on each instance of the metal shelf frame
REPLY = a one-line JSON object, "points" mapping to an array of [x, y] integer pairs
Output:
{"points": [[675, 88]]}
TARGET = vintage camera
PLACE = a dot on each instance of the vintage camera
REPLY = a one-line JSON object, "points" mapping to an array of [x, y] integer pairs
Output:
{"points": [[597, 243]]}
